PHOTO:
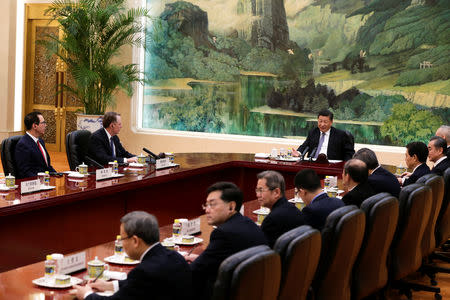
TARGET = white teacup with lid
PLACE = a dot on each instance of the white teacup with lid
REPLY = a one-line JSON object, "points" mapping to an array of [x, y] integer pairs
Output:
{"points": [[82, 169], [10, 181], [96, 267]]}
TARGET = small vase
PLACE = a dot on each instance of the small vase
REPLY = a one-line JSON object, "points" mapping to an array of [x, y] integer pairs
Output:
{"points": [[89, 122]]}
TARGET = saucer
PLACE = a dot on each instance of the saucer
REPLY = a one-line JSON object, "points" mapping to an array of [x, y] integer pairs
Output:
{"points": [[262, 211], [262, 155], [50, 282], [120, 260], [178, 241], [288, 158], [4, 188]]}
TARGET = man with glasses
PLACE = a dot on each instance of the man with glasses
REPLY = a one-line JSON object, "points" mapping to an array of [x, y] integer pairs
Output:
{"points": [[317, 203], [104, 144], [30, 154], [162, 274], [233, 233], [284, 216]]}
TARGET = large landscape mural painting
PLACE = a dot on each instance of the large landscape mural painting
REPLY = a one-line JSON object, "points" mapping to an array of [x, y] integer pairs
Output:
{"points": [[266, 67]]}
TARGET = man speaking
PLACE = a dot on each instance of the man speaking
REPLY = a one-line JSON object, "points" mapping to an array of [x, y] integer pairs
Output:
{"points": [[104, 144], [335, 143]]}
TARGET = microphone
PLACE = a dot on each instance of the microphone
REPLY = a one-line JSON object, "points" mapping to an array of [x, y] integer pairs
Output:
{"points": [[312, 153], [302, 155], [93, 162], [150, 153]]}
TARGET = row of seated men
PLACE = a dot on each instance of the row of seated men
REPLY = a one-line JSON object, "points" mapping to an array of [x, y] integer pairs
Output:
{"points": [[31, 156], [194, 275]]}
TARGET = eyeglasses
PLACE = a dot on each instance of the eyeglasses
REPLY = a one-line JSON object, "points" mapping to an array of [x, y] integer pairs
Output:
{"points": [[125, 238], [210, 205], [261, 190]]}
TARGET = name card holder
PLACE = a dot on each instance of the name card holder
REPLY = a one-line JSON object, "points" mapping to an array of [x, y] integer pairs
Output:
{"points": [[162, 163], [30, 186], [101, 174], [190, 227], [73, 263]]}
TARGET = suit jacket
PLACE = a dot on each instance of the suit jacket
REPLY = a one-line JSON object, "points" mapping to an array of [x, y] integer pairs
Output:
{"points": [[100, 149], [441, 167], [283, 217], [359, 193], [162, 275], [315, 214], [339, 144], [236, 234], [381, 180], [28, 158], [421, 170]]}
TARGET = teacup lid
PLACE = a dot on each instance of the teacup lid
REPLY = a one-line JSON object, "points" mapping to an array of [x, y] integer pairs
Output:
{"points": [[9, 176], [96, 262], [83, 165], [141, 155]]}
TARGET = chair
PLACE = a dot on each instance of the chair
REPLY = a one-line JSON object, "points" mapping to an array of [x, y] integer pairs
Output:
{"points": [[443, 220], [406, 250], [77, 143], [341, 241], [350, 137], [7, 154], [370, 272], [299, 250], [253, 273]]}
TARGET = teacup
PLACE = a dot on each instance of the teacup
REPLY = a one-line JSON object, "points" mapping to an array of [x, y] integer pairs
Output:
{"points": [[141, 159], [82, 169], [168, 244], [96, 267]]}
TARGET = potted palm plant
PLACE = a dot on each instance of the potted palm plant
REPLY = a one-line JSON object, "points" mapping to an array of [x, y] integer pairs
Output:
{"points": [[93, 33]]}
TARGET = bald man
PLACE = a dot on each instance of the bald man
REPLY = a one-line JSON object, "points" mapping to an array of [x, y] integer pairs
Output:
{"points": [[354, 176]]}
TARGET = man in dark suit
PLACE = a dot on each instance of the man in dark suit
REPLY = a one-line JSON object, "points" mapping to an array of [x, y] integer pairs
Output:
{"points": [[444, 132], [335, 143], [284, 216], [104, 144], [162, 274], [234, 233], [437, 149], [355, 175], [30, 154], [318, 204], [415, 157], [380, 179]]}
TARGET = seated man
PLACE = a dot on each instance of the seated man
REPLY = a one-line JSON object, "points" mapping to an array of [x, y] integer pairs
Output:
{"points": [[380, 179], [333, 142], [415, 158], [318, 204], [162, 274], [284, 216], [104, 144], [234, 233], [30, 154], [355, 176], [437, 149], [444, 132]]}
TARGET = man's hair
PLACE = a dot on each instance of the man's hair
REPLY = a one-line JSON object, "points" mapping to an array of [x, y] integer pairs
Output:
{"points": [[109, 117], [141, 224], [357, 169], [419, 149], [445, 131], [230, 192], [31, 118], [367, 156], [307, 179], [325, 113], [273, 180], [439, 143]]}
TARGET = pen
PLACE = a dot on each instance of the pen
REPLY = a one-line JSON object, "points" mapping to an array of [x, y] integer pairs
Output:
{"points": [[98, 276], [192, 249]]}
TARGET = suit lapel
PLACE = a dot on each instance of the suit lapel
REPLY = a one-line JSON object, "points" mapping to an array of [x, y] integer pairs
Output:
{"points": [[106, 141]]}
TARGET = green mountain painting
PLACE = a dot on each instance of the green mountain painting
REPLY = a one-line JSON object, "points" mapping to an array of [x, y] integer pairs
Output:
{"points": [[266, 67]]}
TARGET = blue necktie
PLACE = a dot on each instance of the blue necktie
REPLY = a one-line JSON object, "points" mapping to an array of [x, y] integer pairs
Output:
{"points": [[112, 147], [322, 138]]}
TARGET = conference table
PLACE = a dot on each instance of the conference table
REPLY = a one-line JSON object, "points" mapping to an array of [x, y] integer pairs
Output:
{"points": [[79, 214]]}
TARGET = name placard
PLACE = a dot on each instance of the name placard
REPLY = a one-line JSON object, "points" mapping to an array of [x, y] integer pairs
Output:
{"points": [[73, 263], [30, 186], [101, 174], [162, 163], [190, 227]]}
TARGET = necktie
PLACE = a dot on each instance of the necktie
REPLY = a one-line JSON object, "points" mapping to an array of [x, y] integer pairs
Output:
{"points": [[42, 152], [111, 142], [322, 138]]}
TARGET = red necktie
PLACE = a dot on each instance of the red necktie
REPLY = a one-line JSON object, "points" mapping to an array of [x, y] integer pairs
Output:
{"points": [[42, 152]]}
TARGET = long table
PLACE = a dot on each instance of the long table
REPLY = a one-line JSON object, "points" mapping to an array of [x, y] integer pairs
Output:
{"points": [[81, 214]]}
